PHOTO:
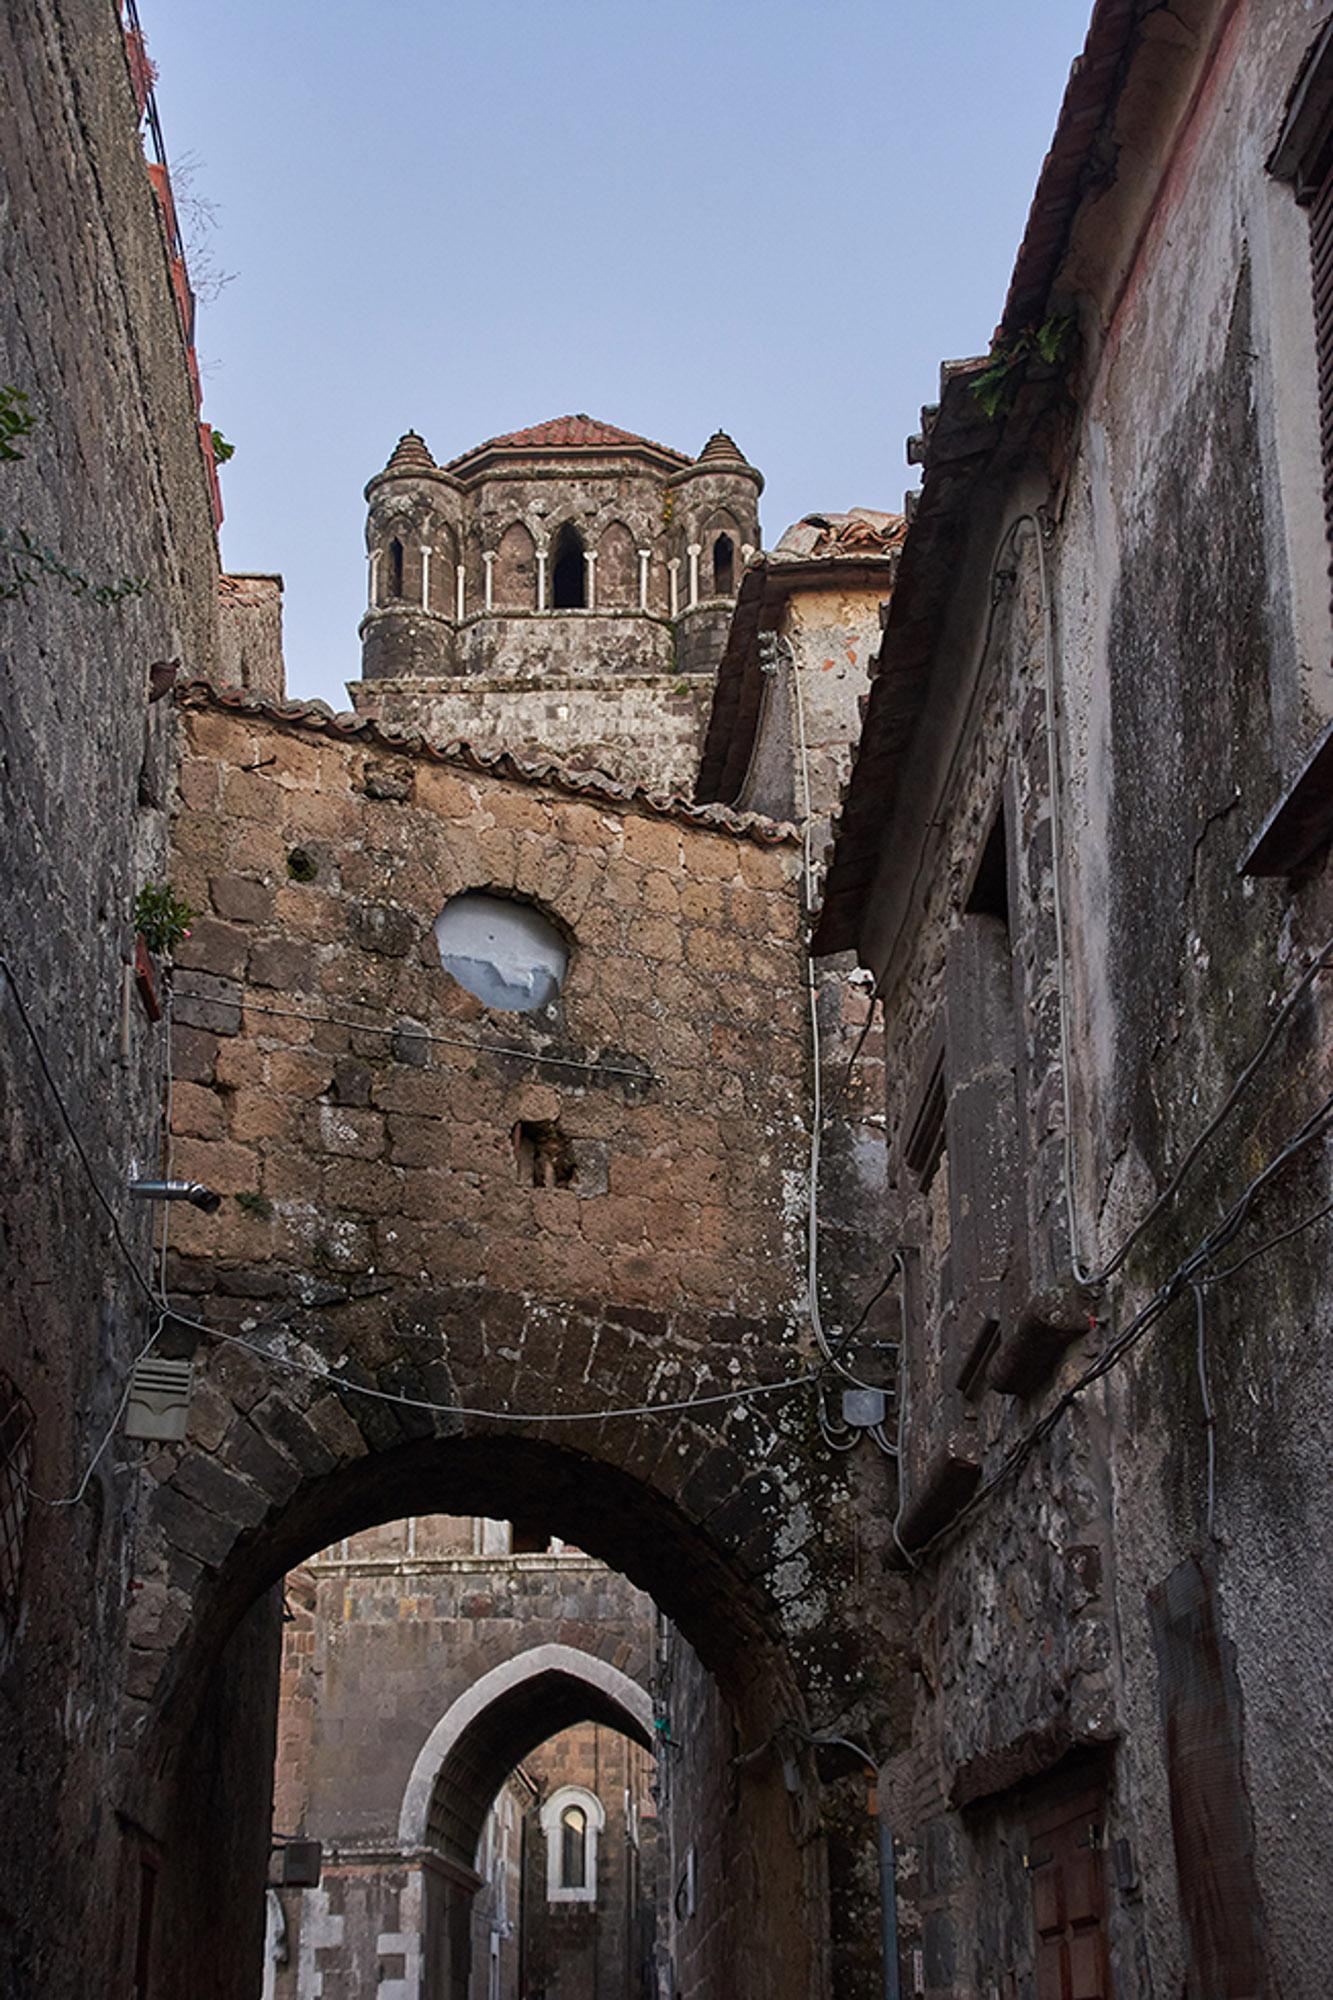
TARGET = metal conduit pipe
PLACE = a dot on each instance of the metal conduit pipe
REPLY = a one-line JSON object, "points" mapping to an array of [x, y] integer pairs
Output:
{"points": [[888, 1864]]}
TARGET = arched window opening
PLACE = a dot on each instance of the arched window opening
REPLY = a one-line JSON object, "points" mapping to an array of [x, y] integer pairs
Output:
{"points": [[395, 568], [724, 566], [572, 1820], [506, 954], [569, 575], [573, 1848]]}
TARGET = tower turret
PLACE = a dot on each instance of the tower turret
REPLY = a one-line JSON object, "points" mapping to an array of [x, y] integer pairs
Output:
{"points": [[715, 528], [413, 540]]}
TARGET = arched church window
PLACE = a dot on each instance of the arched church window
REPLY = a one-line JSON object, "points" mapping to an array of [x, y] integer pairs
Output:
{"points": [[573, 1848], [572, 1819], [395, 568], [569, 573], [724, 566]]}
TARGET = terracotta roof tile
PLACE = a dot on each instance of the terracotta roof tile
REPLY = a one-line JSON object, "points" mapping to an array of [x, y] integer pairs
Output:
{"points": [[578, 433], [318, 716]]}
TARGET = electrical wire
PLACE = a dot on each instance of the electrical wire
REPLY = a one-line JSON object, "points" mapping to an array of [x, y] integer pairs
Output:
{"points": [[837, 1435], [295, 1366], [164, 1310], [416, 1034], [68, 1123], [73, 1499], [1191, 1267]]}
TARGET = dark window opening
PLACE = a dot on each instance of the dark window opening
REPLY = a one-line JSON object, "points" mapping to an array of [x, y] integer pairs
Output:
{"points": [[724, 566], [525, 1540], [569, 575], [545, 1156], [574, 1848], [989, 896], [925, 1142], [395, 568]]}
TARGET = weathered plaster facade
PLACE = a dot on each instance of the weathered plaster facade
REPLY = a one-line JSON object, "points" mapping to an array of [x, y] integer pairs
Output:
{"points": [[1148, 1574]]}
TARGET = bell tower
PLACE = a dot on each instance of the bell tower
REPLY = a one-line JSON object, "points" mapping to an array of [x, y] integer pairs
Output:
{"points": [[562, 592]]}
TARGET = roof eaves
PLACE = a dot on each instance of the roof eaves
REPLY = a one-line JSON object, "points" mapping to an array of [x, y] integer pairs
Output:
{"points": [[317, 716]]}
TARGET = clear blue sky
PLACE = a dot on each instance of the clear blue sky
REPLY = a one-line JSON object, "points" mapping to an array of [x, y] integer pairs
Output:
{"points": [[464, 218]]}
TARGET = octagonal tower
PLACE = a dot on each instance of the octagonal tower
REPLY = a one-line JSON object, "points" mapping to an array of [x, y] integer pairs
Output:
{"points": [[561, 591]]}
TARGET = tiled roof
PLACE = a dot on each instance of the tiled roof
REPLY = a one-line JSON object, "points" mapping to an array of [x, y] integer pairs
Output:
{"points": [[410, 454], [578, 433], [319, 717], [720, 445]]}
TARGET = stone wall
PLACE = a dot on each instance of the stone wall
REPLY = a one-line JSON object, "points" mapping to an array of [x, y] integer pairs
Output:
{"points": [[390, 1628], [364, 1119], [1110, 1584], [638, 729], [250, 618], [112, 482]]}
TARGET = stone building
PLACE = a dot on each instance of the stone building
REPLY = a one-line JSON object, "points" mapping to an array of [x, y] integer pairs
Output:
{"points": [[563, 591], [556, 1188], [465, 1717], [1084, 854]]}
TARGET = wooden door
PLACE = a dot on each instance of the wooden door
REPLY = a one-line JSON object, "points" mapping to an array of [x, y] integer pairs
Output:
{"points": [[1067, 1866]]}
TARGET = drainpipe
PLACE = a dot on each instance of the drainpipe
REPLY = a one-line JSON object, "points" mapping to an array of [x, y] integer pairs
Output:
{"points": [[888, 1866], [888, 1898]]}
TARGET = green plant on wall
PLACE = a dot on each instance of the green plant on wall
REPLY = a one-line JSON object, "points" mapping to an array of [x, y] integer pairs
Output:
{"points": [[997, 385], [162, 918], [222, 449], [24, 561], [16, 420]]}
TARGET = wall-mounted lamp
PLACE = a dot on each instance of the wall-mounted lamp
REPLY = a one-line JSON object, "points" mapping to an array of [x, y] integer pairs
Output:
{"points": [[194, 1192]]}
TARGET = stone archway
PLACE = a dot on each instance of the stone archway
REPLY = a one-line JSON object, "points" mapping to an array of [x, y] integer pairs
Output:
{"points": [[529, 1697], [482, 1736], [198, 1781]]}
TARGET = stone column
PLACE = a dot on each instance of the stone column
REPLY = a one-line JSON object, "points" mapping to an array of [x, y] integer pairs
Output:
{"points": [[673, 572], [460, 591], [541, 579], [693, 553], [425, 577], [645, 557], [590, 588], [488, 564], [374, 585]]}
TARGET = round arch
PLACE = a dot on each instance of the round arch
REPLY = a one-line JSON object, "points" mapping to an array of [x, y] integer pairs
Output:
{"points": [[505, 1715]]}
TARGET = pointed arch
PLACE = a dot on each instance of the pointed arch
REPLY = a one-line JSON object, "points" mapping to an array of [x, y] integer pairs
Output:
{"points": [[515, 584], [569, 579], [495, 1724], [617, 567]]}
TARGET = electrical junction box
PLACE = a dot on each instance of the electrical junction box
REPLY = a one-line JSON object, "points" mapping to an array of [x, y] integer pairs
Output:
{"points": [[863, 1407], [159, 1403]]}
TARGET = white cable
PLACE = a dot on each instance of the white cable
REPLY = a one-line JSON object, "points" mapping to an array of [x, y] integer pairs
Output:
{"points": [[72, 1499], [296, 1367], [832, 1432]]}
